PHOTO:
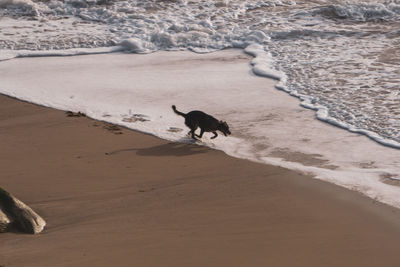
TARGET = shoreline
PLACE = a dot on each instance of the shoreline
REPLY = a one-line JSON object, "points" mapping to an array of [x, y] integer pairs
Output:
{"points": [[152, 202], [268, 125]]}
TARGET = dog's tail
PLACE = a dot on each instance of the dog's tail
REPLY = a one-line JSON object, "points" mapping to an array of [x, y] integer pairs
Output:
{"points": [[178, 112]]}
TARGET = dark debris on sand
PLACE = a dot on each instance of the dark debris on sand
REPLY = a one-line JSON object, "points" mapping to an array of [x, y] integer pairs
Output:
{"points": [[75, 114]]}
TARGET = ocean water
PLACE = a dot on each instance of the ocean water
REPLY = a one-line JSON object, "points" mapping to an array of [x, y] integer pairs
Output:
{"points": [[339, 58]]}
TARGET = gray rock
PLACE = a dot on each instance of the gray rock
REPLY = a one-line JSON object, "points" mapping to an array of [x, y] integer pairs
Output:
{"points": [[18, 215]]}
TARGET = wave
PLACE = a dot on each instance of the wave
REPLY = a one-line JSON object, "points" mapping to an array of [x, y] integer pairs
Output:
{"points": [[361, 12], [263, 65]]}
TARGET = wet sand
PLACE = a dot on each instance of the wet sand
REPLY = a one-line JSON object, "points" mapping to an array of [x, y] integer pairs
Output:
{"points": [[116, 197]]}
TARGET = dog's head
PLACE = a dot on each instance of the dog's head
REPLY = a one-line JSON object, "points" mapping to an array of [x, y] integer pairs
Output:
{"points": [[224, 128]]}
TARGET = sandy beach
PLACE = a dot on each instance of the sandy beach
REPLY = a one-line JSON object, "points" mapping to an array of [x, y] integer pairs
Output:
{"points": [[310, 175], [115, 197]]}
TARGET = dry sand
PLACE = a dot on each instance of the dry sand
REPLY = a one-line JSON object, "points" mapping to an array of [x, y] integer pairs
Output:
{"points": [[121, 198]]}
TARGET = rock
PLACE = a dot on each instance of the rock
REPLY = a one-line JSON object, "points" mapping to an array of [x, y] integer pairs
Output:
{"points": [[4, 222], [19, 215], [26, 219]]}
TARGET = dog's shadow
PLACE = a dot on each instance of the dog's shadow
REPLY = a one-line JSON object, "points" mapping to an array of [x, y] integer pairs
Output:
{"points": [[186, 148]]}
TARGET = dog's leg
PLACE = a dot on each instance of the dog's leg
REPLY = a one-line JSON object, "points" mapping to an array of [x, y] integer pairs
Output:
{"points": [[215, 135], [193, 134], [201, 133]]}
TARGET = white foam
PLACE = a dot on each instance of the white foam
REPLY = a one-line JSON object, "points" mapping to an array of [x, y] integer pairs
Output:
{"points": [[262, 62]]}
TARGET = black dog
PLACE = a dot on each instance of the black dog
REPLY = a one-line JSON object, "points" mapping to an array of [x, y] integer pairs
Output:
{"points": [[198, 119]]}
